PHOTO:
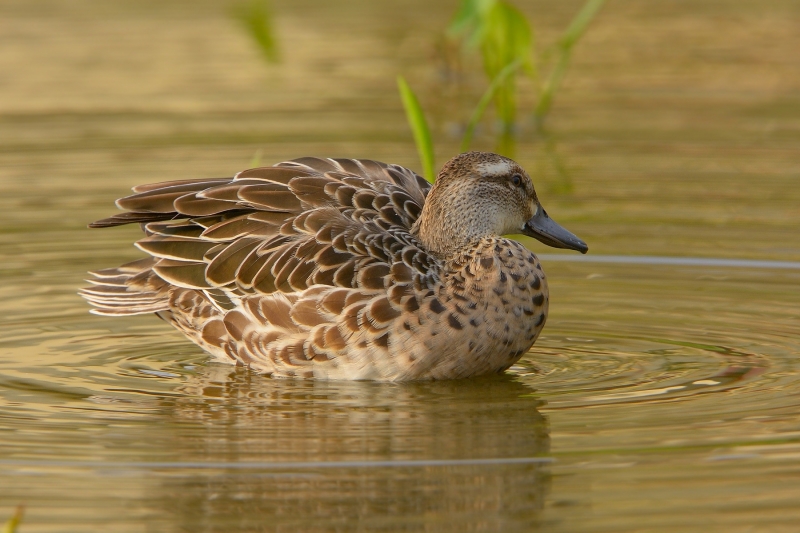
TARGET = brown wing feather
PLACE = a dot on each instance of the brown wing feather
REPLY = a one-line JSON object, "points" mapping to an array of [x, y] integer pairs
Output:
{"points": [[311, 221]]}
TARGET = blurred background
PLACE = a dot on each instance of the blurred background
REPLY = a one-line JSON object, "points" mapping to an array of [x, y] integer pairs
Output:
{"points": [[675, 120], [659, 398]]}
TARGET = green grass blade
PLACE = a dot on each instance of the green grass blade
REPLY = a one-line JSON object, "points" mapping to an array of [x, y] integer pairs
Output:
{"points": [[256, 18], [14, 522], [571, 36], [469, 20], [507, 38], [483, 103], [581, 21], [256, 161], [419, 127]]}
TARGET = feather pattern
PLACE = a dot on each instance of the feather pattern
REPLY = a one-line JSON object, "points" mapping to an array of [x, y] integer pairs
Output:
{"points": [[316, 268]]}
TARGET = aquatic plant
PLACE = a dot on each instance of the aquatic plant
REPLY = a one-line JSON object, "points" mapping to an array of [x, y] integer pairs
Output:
{"points": [[256, 18], [504, 38], [419, 128], [14, 522], [505, 41]]}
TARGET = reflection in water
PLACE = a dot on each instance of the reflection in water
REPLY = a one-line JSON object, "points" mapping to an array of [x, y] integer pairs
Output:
{"points": [[233, 415]]}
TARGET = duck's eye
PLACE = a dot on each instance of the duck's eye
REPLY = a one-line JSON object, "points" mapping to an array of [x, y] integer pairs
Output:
{"points": [[516, 179]]}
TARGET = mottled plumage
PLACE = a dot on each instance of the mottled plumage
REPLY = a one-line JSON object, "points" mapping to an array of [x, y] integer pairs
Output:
{"points": [[341, 268]]}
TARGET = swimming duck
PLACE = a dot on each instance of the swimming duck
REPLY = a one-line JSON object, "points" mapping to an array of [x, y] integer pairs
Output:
{"points": [[343, 268]]}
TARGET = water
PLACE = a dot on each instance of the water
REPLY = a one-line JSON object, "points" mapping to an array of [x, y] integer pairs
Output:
{"points": [[664, 394]]}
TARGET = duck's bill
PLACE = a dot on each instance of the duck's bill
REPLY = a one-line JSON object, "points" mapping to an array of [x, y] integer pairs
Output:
{"points": [[546, 230]]}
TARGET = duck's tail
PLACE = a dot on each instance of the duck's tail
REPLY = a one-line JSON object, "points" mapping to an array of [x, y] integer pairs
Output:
{"points": [[130, 289]]}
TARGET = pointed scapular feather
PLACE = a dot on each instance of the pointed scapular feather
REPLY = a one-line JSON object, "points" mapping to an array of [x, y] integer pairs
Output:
{"points": [[223, 268], [277, 174], [128, 268], [199, 183], [372, 169], [114, 294], [146, 281], [315, 163], [275, 218], [228, 192], [102, 290], [270, 196], [130, 218], [240, 226], [183, 274], [191, 204], [127, 311], [348, 165], [159, 197], [116, 281], [207, 222], [179, 248], [175, 229]]}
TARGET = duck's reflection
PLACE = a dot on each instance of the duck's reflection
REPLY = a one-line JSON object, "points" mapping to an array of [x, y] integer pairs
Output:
{"points": [[227, 415]]}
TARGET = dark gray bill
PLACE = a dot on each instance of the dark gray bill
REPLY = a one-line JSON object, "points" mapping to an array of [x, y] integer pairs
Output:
{"points": [[545, 229]]}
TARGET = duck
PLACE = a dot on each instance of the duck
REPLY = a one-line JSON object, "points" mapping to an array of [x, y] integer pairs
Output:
{"points": [[342, 269]]}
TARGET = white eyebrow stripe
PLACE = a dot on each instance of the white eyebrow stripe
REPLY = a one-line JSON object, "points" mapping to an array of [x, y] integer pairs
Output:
{"points": [[500, 168]]}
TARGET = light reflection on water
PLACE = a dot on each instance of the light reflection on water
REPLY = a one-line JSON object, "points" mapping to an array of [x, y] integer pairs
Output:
{"points": [[93, 417]]}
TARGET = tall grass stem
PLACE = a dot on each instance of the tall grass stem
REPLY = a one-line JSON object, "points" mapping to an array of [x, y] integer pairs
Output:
{"points": [[571, 35], [485, 100], [419, 127]]}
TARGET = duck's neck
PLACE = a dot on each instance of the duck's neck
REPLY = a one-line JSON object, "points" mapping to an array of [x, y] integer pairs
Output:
{"points": [[448, 224], [444, 236]]}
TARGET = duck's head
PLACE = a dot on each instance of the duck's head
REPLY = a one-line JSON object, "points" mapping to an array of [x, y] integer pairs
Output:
{"points": [[481, 194]]}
